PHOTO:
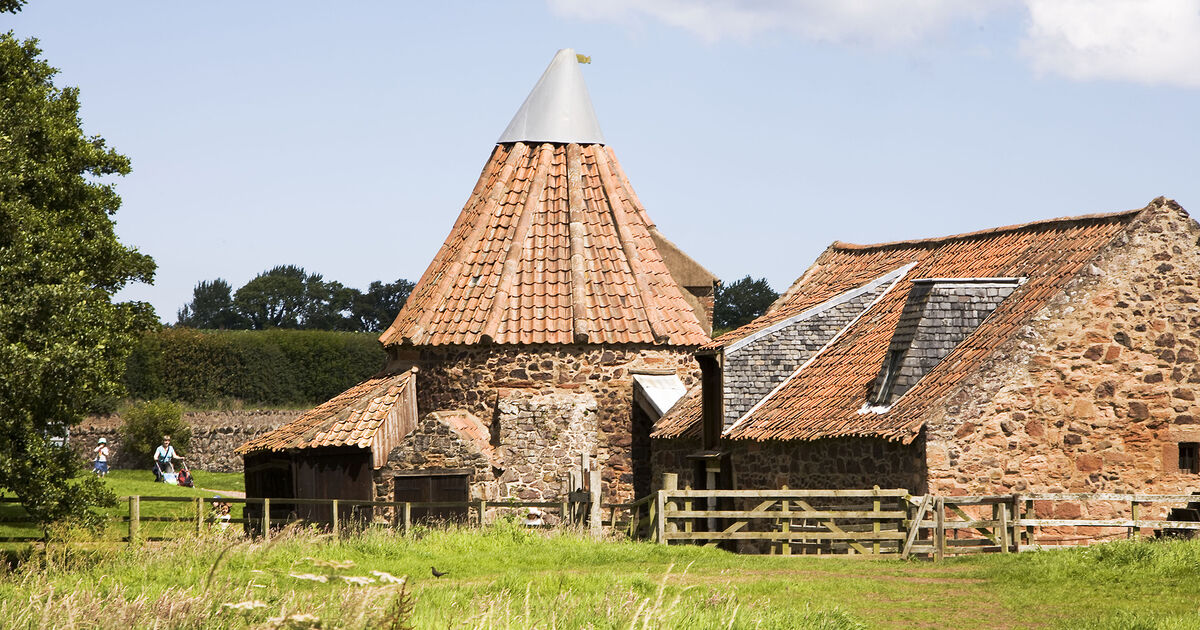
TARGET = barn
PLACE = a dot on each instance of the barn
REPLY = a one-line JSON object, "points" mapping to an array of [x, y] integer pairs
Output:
{"points": [[1055, 356], [335, 450]]}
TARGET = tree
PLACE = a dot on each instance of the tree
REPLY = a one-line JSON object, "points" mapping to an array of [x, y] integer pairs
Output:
{"points": [[63, 342], [739, 302], [143, 425], [211, 307], [11, 6], [376, 309], [275, 298]]}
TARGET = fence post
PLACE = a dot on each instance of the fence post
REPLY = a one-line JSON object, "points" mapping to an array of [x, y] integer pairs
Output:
{"points": [[565, 511], [594, 518], [1002, 528], [939, 532], [1030, 538], [407, 517], [660, 523], [876, 506], [335, 524], [1135, 512], [481, 508], [786, 526], [266, 518], [1015, 539], [199, 515], [134, 517]]}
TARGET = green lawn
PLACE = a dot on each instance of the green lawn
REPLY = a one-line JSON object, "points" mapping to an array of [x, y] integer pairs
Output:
{"points": [[125, 483], [506, 576]]}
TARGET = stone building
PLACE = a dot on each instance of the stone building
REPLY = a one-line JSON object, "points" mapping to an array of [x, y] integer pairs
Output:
{"points": [[1056, 356], [555, 322]]}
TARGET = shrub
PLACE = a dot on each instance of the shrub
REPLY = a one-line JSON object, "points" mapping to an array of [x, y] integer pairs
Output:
{"points": [[145, 423]]}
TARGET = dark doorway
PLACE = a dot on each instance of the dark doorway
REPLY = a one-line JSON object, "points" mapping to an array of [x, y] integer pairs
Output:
{"points": [[434, 487]]}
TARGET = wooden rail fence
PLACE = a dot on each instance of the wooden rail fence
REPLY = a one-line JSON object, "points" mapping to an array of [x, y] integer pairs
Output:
{"points": [[874, 522]]}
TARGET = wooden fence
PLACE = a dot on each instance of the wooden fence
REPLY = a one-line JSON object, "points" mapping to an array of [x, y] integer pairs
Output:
{"points": [[875, 522]]}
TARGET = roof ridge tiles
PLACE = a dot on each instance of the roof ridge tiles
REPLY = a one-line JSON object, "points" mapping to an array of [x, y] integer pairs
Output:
{"points": [[1042, 223]]}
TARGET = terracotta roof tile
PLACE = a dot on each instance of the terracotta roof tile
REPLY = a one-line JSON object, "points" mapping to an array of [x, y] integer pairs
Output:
{"points": [[824, 398], [348, 419], [514, 270]]}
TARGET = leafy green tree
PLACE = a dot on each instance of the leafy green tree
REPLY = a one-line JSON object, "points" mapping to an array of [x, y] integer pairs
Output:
{"points": [[376, 309], [211, 307], [276, 298], [11, 6], [63, 342], [144, 424], [739, 302]]}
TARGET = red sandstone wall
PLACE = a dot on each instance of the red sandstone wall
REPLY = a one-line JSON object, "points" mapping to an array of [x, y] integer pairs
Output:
{"points": [[1098, 390], [475, 377]]}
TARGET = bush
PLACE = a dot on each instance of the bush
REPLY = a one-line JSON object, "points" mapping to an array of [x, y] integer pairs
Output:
{"points": [[145, 423], [269, 367]]}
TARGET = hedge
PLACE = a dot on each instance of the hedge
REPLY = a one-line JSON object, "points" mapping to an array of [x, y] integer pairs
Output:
{"points": [[257, 367]]}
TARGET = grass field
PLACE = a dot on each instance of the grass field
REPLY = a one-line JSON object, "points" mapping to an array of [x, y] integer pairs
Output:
{"points": [[125, 483], [507, 577]]}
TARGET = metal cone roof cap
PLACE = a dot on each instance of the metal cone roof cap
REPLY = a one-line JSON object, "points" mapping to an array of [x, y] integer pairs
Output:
{"points": [[558, 109]]}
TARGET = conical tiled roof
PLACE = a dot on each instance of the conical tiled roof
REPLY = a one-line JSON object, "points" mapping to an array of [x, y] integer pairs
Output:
{"points": [[553, 247]]}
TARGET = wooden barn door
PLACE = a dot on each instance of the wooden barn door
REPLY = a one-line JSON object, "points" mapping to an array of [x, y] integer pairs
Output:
{"points": [[440, 486]]}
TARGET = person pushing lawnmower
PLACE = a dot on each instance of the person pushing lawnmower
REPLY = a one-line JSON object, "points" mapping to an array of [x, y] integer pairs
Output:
{"points": [[164, 458]]}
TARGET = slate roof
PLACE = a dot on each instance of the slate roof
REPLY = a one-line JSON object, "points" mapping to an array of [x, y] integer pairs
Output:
{"points": [[349, 419], [824, 398], [553, 247]]}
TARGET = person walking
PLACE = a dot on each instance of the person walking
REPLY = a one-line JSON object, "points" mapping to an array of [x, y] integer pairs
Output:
{"points": [[100, 462], [164, 457]]}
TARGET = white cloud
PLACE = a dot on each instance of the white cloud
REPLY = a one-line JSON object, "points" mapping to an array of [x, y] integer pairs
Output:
{"points": [[1144, 41], [870, 22], [1141, 41]]}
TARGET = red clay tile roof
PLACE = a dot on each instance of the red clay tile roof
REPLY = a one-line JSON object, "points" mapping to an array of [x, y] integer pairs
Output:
{"points": [[824, 398], [349, 419], [552, 247], [683, 419]]}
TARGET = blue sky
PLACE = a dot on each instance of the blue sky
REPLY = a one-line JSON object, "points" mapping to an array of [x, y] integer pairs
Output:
{"points": [[345, 137]]}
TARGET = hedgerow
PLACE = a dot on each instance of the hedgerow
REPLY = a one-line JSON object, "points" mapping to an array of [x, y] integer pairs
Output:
{"points": [[268, 367]]}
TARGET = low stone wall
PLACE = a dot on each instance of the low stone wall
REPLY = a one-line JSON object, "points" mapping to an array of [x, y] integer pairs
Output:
{"points": [[215, 434]]}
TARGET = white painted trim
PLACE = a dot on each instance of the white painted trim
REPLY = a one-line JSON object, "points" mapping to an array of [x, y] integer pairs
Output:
{"points": [[898, 275]]}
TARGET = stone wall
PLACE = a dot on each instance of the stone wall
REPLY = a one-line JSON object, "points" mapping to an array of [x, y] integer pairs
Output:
{"points": [[542, 437], [434, 445], [215, 434], [838, 463], [753, 370], [1096, 393], [476, 378]]}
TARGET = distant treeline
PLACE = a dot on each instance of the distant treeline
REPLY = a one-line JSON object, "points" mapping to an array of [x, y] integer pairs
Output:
{"points": [[270, 367], [289, 297]]}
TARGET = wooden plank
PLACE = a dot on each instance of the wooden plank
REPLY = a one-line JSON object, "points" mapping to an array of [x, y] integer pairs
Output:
{"points": [[1002, 528], [1081, 522], [134, 516], [795, 513], [1100, 496], [334, 522], [914, 527], [977, 525], [785, 494], [660, 523], [850, 536], [786, 546], [266, 519], [833, 527], [939, 531]]}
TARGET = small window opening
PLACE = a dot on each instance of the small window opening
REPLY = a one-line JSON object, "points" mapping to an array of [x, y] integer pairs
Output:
{"points": [[1189, 456], [895, 357]]}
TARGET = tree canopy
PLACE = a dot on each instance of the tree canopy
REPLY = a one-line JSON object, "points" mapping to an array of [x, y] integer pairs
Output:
{"points": [[63, 342], [289, 297], [739, 302]]}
